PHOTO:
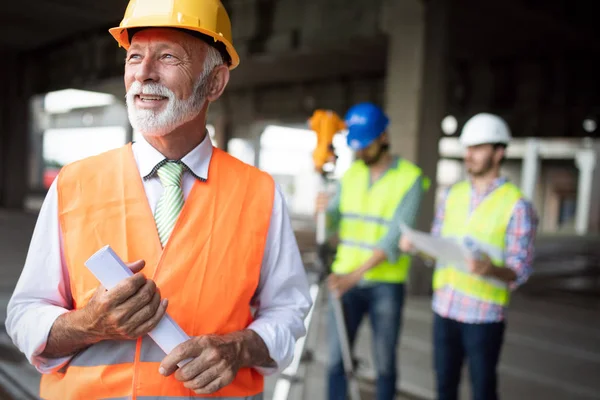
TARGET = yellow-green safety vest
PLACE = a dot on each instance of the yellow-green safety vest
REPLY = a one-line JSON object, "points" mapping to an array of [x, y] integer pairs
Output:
{"points": [[365, 216], [486, 227]]}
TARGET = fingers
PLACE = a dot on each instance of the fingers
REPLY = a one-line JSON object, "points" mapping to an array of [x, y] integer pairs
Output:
{"points": [[332, 282], [207, 373], [471, 265], [183, 351], [322, 202], [152, 322], [146, 312], [192, 370], [136, 266], [211, 380], [405, 244], [334, 287], [475, 267], [139, 300], [125, 289]]}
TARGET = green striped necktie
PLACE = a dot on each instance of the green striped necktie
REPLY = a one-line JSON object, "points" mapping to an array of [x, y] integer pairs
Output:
{"points": [[171, 201]]}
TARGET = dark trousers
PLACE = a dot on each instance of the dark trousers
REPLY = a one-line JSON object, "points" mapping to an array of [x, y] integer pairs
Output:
{"points": [[383, 302], [480, 344]]}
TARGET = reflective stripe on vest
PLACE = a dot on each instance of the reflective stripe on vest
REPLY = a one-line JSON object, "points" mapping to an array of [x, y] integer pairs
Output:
{"points": [[256, 397], [102, 201], [366, 213], [486, 229], [111, 352]]}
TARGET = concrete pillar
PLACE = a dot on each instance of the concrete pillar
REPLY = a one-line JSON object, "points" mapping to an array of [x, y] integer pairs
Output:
{"points": [[251, 132], [595, 202], [222, 134], [14, 130], [36, 142], [530, 169], [585, 160], [415, 97]]}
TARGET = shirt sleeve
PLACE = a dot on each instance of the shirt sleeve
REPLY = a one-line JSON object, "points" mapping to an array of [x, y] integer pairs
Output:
{"points": [[282, 299], [520, 238], [42, 293], [406, 212], [440, 212]]}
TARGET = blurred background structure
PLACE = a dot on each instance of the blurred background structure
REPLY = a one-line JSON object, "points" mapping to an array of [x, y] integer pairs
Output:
{"points": [[432, 64]]}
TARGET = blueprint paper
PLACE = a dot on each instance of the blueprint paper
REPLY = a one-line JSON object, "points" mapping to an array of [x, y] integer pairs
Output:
{"points": [[444, 250], [109, 269]]}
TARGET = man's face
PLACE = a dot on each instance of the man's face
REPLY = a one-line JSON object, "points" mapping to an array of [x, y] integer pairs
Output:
{"points": [[480, 159], [372, 153], [165, 80]]}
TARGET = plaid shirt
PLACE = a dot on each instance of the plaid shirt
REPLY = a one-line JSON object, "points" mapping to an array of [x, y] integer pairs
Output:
{"points": [[520, 236]]}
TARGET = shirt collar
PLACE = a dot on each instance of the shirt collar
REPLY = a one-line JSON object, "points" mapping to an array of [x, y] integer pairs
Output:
{"points": [[195, 162], [496, 183]]}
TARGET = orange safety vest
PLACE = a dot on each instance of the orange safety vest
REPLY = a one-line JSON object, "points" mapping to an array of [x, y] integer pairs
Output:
{"points": [[209, 270]]}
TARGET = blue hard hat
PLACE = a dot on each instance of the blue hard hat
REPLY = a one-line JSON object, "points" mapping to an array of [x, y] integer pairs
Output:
{"points": [[365, 122]]}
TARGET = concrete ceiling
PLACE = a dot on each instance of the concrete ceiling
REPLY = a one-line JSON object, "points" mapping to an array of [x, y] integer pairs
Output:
{"points": [[497, 29], [494, 28], [31, 24]]}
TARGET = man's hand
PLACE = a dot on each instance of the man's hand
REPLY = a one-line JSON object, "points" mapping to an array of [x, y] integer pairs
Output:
{"points": [[340, 284], [216, 360], [129, 310], [322, 202], [406, 245], [483, 267]]}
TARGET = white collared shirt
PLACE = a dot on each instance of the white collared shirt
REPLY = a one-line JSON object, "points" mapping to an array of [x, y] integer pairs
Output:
{"points": [[282, 299]]}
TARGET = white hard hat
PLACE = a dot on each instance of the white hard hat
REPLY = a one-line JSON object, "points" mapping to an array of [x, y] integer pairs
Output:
{"points": [[485, 128]]}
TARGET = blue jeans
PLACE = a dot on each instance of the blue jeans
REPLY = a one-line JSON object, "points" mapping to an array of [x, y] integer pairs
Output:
{"points": [[383, 302], [480, 343]]}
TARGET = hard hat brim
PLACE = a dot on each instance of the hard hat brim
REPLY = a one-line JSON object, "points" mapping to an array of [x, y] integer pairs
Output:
{"points": [[122, 37], [356, 140], [469, 143]]}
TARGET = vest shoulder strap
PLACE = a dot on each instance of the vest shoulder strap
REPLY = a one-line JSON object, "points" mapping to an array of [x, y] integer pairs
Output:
{"points": [[356, 169], [86, 170], [459, 193]]}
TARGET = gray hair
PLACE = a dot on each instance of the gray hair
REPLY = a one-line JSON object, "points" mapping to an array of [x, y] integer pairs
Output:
{"points": [[213, 59]]}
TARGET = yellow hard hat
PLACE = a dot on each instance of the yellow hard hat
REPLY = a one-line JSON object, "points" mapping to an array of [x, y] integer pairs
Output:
{"points": [[207, 17]]}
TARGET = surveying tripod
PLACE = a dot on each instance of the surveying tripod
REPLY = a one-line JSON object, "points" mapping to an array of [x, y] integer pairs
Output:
{"points": [[323, 263]]}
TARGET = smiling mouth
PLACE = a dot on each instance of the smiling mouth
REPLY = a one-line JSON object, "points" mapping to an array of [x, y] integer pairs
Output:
{"points": [[149, 97]]}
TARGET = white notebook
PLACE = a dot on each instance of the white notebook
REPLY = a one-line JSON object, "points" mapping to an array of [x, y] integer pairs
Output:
{"points": [[109, 269]]}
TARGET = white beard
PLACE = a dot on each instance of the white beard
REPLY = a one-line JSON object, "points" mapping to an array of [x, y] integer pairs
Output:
{"points": [[176, 113]]}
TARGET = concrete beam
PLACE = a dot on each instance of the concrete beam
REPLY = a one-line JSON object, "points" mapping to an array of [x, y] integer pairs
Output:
{"points": [[63, 66], [548, 149], [364, 59]]}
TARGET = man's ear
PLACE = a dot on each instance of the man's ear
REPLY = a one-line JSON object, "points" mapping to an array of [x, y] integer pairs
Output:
{"points": [[384, 138], [218, 82], [499, 153]]}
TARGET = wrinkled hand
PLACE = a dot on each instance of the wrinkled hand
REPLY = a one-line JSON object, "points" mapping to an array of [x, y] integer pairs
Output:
{"points": [[216, 361], [127, 311], [483, 267], [340, 284], [406, 245], [322, 202]]}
